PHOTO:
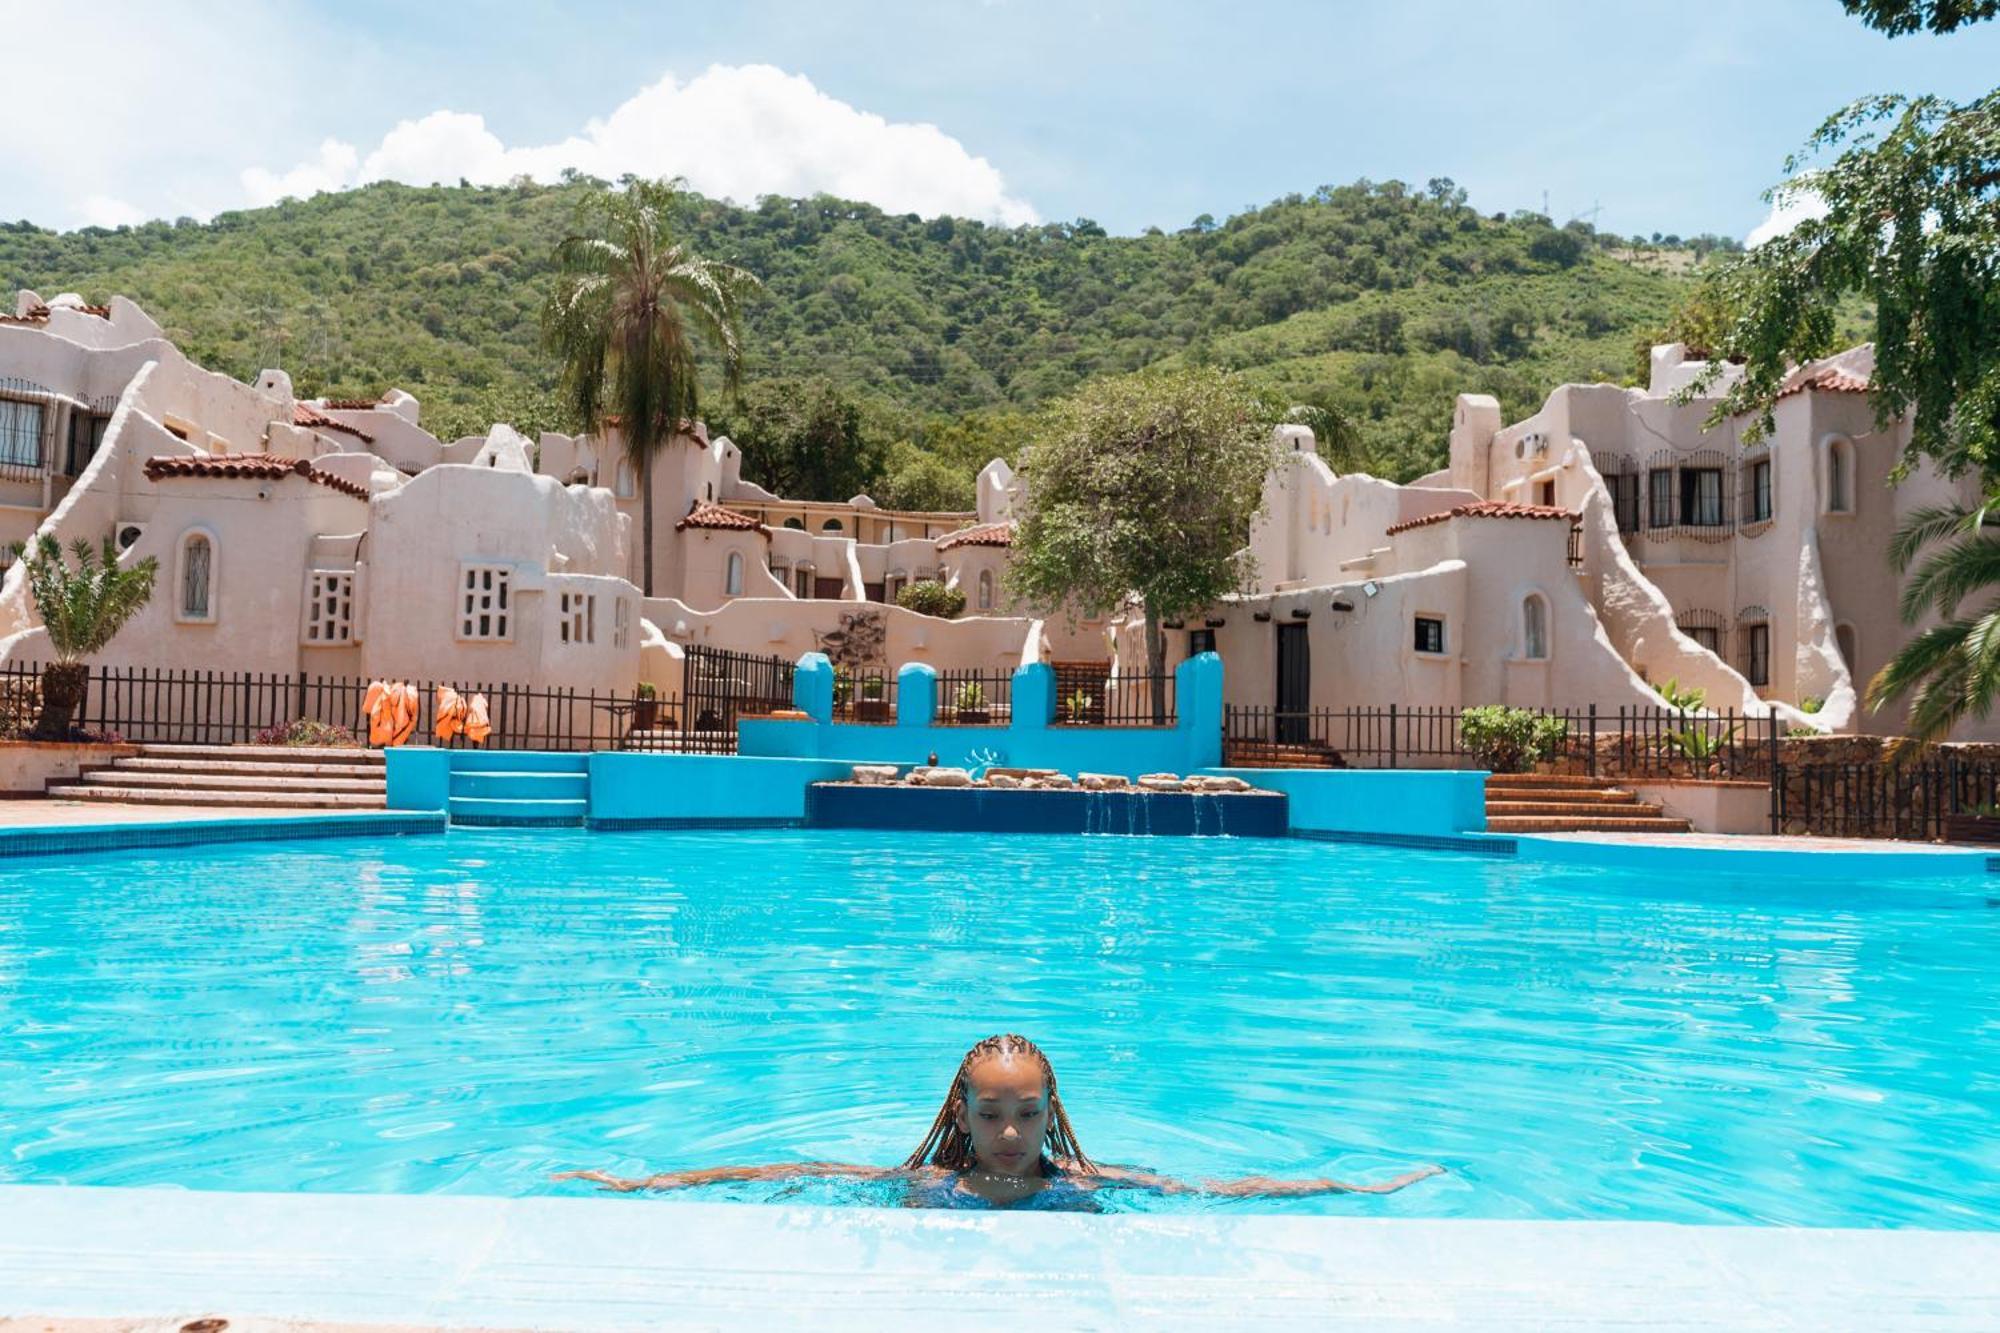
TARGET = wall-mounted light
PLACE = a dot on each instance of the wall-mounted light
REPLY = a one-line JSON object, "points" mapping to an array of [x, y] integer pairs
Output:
{"points": [[1261, 617], [1370, 588], [1217, 623], [1339, 605], [1173, 624], [1300, 612]]}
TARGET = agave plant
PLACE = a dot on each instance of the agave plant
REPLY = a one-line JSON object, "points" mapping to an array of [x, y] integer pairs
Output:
{"points": [[81, 609]]}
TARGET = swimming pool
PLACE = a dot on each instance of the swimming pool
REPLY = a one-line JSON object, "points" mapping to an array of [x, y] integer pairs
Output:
{"points": [[470, 1012]]}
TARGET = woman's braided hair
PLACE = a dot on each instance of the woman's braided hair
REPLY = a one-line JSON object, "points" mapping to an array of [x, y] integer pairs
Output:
{"points": [[950, 1147]]}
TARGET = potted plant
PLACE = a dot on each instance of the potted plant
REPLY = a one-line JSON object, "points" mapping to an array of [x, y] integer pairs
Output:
{"points": [[873, 706], [81, 610], [843, 690], [1076, 708], [645, 707], [971, 702]]}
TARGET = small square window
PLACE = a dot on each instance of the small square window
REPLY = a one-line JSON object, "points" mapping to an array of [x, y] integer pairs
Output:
{"points": [[485, 612], [579, 617], [1430, 634], [330, 607]]}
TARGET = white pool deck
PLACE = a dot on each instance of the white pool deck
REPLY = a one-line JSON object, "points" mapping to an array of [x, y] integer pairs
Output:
{"points": [[619, 1263]]}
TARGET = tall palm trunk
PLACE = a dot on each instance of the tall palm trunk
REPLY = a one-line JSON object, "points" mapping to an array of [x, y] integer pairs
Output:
{"points": [[646, 511]]}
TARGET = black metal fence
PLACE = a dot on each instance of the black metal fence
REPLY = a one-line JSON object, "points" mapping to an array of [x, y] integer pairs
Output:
{"points": [[1873, 800], [974, 698], [866, 697], [186, 707], [1117, 701], [1596, 742]]}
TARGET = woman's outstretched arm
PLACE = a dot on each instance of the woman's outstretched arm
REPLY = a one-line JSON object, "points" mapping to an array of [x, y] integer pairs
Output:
{"points": [[1261, 1187], [718, 1175]]}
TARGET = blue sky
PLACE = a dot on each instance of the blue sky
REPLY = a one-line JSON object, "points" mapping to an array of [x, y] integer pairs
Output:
{"points": [[1671, 118]]}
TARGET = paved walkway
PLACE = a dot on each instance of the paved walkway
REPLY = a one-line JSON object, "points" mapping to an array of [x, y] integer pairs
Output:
{"points": [[45, 813], [1764, 842]]}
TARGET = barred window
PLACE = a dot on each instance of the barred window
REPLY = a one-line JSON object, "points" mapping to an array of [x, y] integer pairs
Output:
{"points": [[330, 606], [20, 434], [1430, 634], [1660, 498], [1760, 491], [1701, 497], [197, 576], [1625, 499], [485, 612], [579, 617]]}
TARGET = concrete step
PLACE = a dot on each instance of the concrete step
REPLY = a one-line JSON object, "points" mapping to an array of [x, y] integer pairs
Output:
{"points": [[518, 761], [495, 810], [182, 796], [527, 786], [1543, 781], [118, 776], [1599, 824], [1577, 809], [249, 768], [1609, 797], [298, 754]]}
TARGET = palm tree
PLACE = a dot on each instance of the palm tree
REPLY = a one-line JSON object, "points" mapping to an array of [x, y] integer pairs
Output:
{"points": [[630, 307], [81, 610], [1953, 667]]}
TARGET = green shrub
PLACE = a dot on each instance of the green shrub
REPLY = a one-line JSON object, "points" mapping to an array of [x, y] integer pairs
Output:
{"points": [[1509, 740], [928, 597], [306, 732], [1812, 703]]}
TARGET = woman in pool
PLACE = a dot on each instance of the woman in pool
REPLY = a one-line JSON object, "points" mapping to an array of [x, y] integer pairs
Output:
{"points": [[1002, 1140]]}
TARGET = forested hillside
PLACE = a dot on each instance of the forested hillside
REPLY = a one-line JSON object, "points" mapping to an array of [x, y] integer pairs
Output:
{"points": [[1373, 302]]}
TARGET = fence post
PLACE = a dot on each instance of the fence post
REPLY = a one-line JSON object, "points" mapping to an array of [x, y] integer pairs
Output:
{"points": [[1392, 735], [1592, 741], [1777, 777]]}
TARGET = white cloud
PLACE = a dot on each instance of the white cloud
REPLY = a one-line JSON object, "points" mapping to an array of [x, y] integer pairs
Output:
{"points": [[1788, 209], [333, 169], [104, 210], [734, 131]]}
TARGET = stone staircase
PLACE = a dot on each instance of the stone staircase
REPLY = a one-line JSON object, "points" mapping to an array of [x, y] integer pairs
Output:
{"points": [[1547, 803], [523, 789], [247, 775], [1271, 754]]}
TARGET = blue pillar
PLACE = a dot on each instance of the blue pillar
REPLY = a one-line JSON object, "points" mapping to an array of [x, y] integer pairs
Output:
{"points": [[916, 694], [1198, 702], [1034, 697], [812, 687]]}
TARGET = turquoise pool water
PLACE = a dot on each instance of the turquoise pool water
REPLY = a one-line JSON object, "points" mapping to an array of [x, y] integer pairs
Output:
{"points": [[471, 1012]]}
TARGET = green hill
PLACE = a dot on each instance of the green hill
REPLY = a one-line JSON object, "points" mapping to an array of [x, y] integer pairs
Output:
{"points": [[1374, 302]]}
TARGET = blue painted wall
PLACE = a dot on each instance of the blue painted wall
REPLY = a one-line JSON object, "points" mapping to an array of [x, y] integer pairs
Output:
{"points": [[631, 787], [419, 778], [1028, 741], [1430, 803]]}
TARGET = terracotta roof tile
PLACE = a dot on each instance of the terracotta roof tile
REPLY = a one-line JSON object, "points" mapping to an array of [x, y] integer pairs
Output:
{"points": [[39, 314], [350, 404], [258, 467], [706, 515], [983, 534], [1487, 509], [1830, 379], [313, 419]]}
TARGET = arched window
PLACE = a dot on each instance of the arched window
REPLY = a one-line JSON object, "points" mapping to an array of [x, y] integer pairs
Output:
{"points": [[985, 590], [1843, 639], [1839, 476], [795, 524], [197, 577], [1534, 627], [627, 482], [831, 525], [732, 580]]}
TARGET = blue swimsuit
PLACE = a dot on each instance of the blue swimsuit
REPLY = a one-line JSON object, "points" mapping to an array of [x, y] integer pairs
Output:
{"points": [[1060, 1195]]}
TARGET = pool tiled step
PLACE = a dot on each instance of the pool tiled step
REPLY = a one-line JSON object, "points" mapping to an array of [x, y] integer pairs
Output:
{"points": [[1555, 803], [261, 776], [529, 790]]}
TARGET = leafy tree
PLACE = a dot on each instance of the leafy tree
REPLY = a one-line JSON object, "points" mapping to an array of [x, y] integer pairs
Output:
{"points": [[630, 307], [1913, 226], [800, 438], [81, 609], [928, 597], [1144, 485], [1897, 17]]}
